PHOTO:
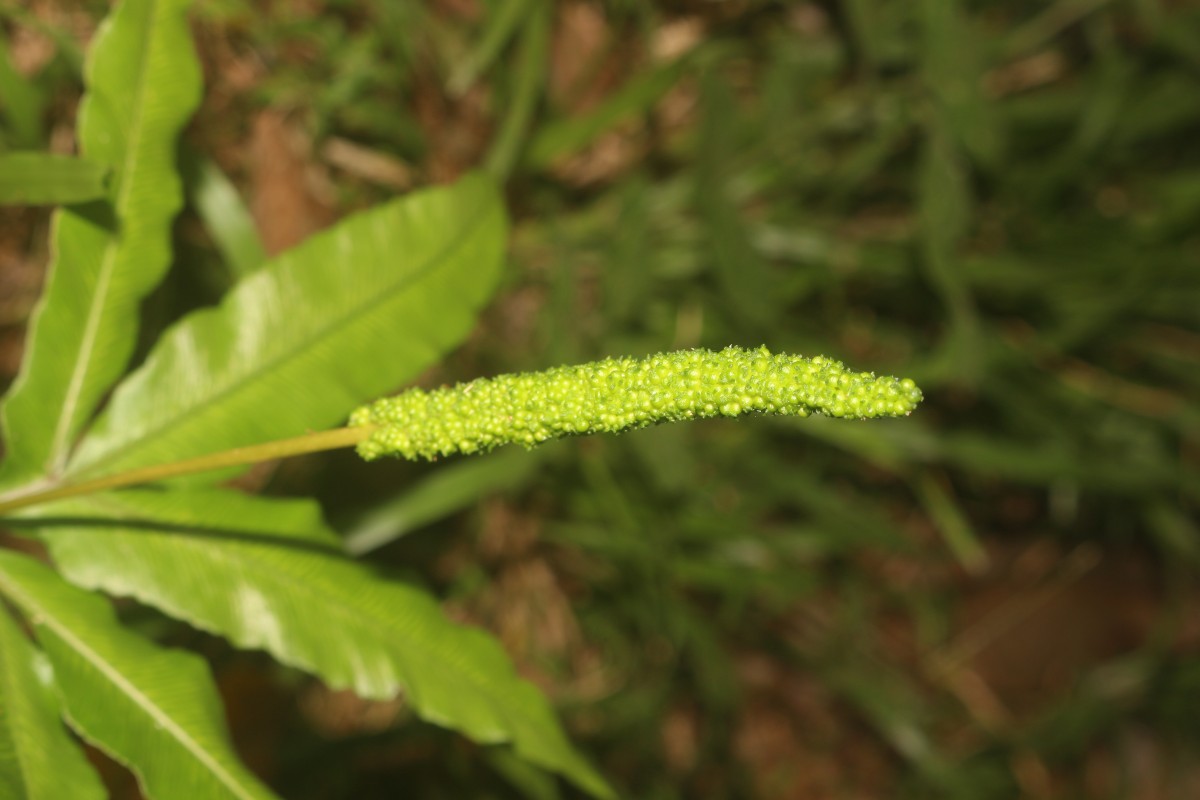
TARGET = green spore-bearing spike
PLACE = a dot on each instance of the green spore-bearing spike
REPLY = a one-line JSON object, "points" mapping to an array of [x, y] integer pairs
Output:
{"points": [[620, 394]]}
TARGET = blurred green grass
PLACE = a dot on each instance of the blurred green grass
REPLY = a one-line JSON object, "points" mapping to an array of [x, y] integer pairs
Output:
{"points": [[994, 597]]}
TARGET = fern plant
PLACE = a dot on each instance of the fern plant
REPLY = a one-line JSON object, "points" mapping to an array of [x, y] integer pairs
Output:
{"points": [[381, 296]]}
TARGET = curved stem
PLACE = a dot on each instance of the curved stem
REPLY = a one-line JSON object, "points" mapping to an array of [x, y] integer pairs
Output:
{"points": [[282, 448]]}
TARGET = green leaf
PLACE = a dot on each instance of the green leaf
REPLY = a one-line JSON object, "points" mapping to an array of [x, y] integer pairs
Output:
{"points": [[890, 704], [224, 215], [1037, 33], [569, 135], [528, 85], [346, 316], [506, 17], [38, 759], [22, 103], [944, 208], [268, 574], [744, 275], [143, 83], [864, 21], [448, 490], [953, 68], [154, 710], [49, 179], [629, 257], [952, 522]]}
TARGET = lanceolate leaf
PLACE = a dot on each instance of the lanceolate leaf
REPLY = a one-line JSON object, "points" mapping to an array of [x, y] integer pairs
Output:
{"points": [[450, 489], [142, 85], [953, 69], [38, 759], [743, 273], [154, 710], [560, 138], [224, 215], [268, 574], [346, 316]]}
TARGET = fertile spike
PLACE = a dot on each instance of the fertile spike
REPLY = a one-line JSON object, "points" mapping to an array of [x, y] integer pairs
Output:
{"points": [[619, 394]]}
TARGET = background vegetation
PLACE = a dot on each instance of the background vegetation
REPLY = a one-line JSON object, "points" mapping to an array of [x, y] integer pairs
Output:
{"points": [[996, 596]]}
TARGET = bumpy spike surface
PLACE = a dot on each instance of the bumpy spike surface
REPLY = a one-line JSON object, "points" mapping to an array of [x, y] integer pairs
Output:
{"points": [[619, 394]]}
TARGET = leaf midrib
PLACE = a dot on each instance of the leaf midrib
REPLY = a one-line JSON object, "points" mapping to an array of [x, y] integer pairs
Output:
{"points": [[11, 688], [217, 553], [47, 619], [96, 307], [271, 365]]}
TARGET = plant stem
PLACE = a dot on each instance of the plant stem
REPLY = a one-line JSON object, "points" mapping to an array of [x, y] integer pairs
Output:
{"points": [[282, 448]]}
